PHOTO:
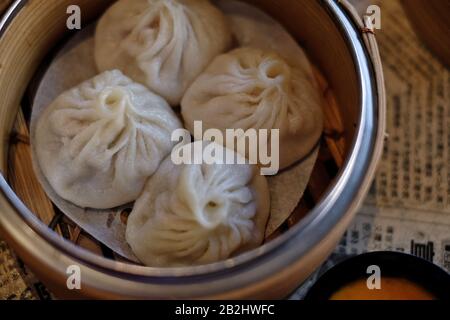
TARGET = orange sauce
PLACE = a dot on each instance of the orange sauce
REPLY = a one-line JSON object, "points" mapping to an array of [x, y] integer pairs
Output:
{"points": [[391, 289]]}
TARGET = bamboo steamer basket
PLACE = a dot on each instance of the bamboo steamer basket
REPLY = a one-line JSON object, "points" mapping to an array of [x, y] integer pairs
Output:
{"points": [[431, 22], [349, 72]]}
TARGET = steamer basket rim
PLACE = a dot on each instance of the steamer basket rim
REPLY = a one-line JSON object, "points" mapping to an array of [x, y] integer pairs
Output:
{"points": [[289, 247]]}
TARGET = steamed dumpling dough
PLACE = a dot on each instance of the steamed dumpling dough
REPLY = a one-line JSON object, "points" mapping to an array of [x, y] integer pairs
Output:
{"points": [[164, 44], [193, 214], [97, 143], [249, 88]]}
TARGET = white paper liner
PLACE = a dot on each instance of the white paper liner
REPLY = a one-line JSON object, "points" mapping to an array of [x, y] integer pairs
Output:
{"points": [[74, 65]]}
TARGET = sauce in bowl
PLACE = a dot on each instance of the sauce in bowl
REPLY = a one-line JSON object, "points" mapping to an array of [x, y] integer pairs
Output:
{"points": [[382, 275], [391, 289]]}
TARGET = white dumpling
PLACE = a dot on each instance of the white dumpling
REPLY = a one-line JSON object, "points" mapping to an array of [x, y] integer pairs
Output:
{"points": [[249, 88], [164, 44], [193, 214], [97, 143]]}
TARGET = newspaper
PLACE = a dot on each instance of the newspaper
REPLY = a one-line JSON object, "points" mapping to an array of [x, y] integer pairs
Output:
{"points": [[408, 207]]}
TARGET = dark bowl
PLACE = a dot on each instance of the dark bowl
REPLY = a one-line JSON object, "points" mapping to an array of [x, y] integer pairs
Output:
{"points": [[392, 264]]}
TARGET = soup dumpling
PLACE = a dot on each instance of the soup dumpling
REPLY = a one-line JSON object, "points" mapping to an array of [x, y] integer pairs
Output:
{"points": [[193, 214], [163, 44], [97, 143], [250, 88]]}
